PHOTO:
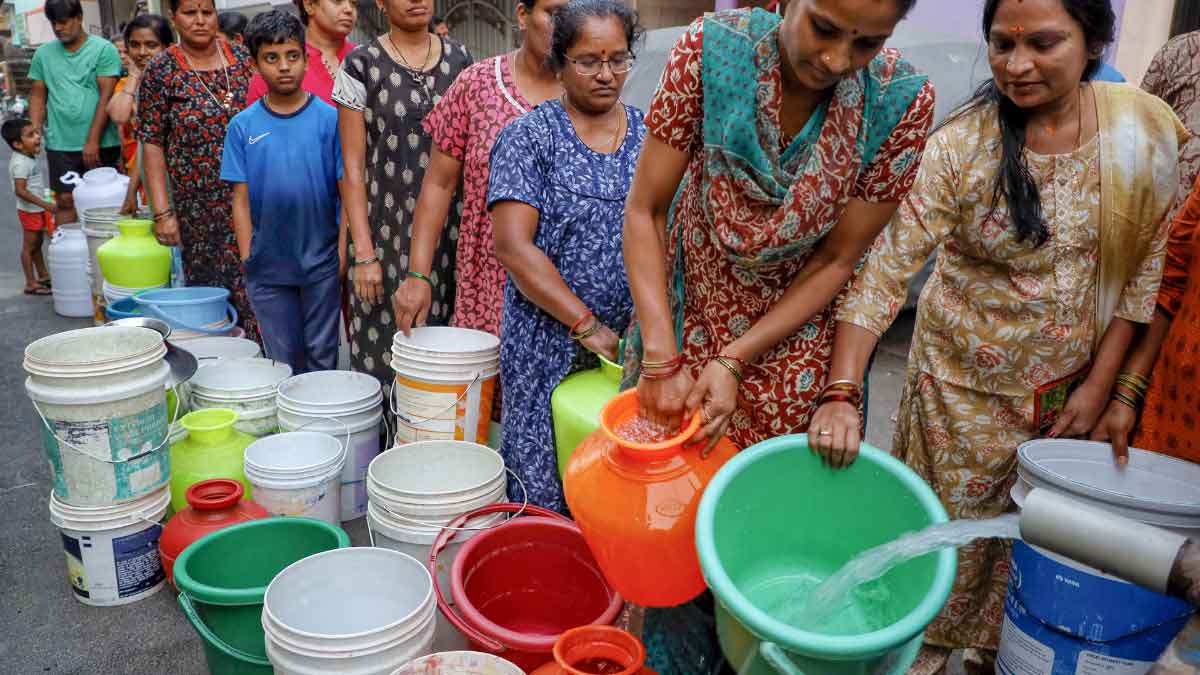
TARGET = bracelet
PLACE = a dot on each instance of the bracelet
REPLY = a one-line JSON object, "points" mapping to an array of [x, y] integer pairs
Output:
{"points": [[1133, 382], [1127, 400], [663, 364], [579, 322], [663, 375], [163, 214], [728, 364], [592, 330], [843, 383], [422, 277], [741, 362], [369, 261], [838, 397]]}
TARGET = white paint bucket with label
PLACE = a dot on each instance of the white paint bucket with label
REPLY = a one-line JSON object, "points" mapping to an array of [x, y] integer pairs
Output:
{"points": [[112, 551], [246, 386], [296, 473], [445, 383], [329, 402], [100, 395]]}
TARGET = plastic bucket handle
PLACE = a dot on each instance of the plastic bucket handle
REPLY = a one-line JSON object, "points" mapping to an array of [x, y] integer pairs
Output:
{"points": [[165, 441], [438, 414], [345, 446], [71, 178], [212, 638], [778, 659], [444, 538], [157, 313]]}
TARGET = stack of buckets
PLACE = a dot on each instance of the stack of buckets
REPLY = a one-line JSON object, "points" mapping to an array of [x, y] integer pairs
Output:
{"points": [[445, 382], [338, 403], [415, 490], [103, 389], [246, 386]]}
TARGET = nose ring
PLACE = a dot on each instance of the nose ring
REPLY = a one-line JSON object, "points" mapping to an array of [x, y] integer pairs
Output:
{"points": [[825, 58]]}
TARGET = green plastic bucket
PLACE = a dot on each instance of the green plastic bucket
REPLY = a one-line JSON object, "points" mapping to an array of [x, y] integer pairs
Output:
{"points": [[774, 513], [222, 578]]}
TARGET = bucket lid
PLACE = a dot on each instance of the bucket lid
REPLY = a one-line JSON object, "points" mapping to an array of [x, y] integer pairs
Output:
{"points": [[99, 350], [240, 378], [151, 508], [294, 454], [446, 340], [436, 471], [329, 391], [1152, 488]]}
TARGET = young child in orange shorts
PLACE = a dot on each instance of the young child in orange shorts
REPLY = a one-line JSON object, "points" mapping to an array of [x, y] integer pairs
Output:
{"points": [[33, 209]]}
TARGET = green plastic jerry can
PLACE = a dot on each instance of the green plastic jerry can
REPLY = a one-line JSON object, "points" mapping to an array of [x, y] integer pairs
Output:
{"points": [[576, 403]]}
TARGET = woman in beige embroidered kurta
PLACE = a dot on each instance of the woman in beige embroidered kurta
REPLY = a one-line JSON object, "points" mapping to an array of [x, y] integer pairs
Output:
{"points": [[997, 319]]}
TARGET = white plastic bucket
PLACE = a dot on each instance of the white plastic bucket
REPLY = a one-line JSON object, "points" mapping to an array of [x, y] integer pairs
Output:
{"points": [[460, 663], [336, 402], [210, 350], [112, 552], [1062, 616], [99, 225], [366, 611], [100, 396], [296, 473], [247, 386], [445, 383]]}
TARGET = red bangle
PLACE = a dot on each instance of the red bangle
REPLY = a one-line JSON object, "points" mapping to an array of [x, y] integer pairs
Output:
{"points": [[663, 374], [839, 397], [575, 326]]}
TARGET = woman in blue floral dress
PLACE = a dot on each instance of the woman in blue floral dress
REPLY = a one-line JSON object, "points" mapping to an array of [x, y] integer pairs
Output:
{"points": [[556, 194]]}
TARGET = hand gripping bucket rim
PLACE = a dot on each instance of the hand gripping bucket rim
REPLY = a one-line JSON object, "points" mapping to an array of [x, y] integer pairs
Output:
{"points": [[504, 638], [759, 622], [319, 559], [407, 455]]}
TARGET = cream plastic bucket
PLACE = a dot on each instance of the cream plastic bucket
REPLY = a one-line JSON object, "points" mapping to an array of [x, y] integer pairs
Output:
{"points": [[100, 395], [460, 663], [246, 386], [445, 383], [296, 473], [366, 611], [338, 402], [112, 551]]}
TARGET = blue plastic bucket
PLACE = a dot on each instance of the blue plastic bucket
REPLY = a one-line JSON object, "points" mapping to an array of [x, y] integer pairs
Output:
{"points": [[1061, 617], [201, 309]]}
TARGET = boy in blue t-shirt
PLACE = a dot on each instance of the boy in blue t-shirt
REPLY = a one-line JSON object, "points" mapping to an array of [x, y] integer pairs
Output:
{"points": [[284, 160]]}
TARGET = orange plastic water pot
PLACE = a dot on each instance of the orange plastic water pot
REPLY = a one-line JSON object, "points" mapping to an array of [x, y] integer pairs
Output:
{"points": [[212, 505], [597, 650], [636, 506]]}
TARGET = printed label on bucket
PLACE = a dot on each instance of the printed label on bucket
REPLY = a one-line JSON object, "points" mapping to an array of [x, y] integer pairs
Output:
{"points": [[131, 469], [109, 570], [443, 411]]}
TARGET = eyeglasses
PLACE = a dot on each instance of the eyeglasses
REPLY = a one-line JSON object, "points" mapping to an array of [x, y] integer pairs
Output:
{"points": [[590, 67]]}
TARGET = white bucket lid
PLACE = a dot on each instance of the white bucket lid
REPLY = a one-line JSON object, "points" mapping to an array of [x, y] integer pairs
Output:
{"points": [[446, 340], [152, 508], [91, 352], [209, 349], [234, 379], [437, 363], [1153, 488], [294, 454], [329, 392], [437, 472], [348, 597]]}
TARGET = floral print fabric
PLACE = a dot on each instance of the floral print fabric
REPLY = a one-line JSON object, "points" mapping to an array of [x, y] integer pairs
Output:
{"points": [[754, 205], [394, 101], [997, 319], [580, 196], [177, 112], [464, 125], [1174, 76]]}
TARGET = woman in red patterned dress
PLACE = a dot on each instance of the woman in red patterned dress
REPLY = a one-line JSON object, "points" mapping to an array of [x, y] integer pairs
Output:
{"points": [[782, 187], [464, 126]]}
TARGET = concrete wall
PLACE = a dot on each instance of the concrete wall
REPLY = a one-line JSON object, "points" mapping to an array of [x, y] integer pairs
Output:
{"points": [[1143, 32]]}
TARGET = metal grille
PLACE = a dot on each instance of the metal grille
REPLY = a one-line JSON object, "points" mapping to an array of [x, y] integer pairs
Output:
{"points": [[486, 27]]}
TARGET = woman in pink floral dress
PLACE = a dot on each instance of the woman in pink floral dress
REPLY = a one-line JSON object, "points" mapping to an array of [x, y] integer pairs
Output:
{"points": [[464, 126]]}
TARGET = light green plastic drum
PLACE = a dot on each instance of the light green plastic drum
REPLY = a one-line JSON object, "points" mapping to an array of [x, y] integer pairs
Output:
{"points": [[576, 403], [774, 514]]}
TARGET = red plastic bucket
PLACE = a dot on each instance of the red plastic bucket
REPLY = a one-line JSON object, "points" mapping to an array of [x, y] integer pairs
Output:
{"points": [[521, 585]]}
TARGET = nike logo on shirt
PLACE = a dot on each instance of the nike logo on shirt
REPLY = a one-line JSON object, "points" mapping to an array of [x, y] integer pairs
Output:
{"points": [[254, 139]]}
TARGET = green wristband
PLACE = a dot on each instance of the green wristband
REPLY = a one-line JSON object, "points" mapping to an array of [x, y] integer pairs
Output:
{"points": [[418, 275]]}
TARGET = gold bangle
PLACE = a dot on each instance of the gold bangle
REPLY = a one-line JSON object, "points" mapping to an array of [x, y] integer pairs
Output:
{"points": [[737, 375]]}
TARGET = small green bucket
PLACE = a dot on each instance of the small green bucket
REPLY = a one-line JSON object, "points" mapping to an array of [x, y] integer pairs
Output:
{"points": [[774, 514], [222, 578]]}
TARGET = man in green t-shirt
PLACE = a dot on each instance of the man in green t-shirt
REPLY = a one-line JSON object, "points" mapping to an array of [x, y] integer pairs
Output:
{"points": [[73, 78]]}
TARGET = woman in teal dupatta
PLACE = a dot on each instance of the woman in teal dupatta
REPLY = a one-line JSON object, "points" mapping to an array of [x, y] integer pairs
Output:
{"points": [[777, 149]]}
